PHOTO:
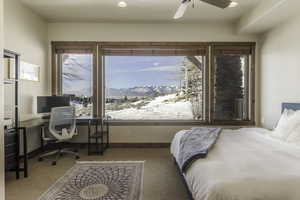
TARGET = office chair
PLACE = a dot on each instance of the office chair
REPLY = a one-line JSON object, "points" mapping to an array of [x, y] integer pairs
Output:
{"points": [[62, 128]]}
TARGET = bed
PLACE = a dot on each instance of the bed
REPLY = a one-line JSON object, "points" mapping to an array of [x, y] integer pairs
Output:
{"points": [[245, 164]]}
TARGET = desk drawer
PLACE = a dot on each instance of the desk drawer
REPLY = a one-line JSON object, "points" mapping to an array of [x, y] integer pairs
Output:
{"points": [[10, 161], [9, 137], [10, 148]]}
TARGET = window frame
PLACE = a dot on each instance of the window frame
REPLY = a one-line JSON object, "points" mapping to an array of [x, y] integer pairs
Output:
{"points": [[249, 48], [98, 49], [59, 48], [144, 46]]}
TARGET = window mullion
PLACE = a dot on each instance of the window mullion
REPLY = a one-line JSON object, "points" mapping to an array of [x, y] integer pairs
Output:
{"points": [[100, 87]]}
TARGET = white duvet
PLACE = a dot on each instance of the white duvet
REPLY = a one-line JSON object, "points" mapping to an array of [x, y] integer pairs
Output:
{"points": [[245, 164]]}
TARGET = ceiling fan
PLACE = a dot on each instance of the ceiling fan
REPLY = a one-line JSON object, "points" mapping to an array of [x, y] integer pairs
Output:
{"points": [[185, 3]]}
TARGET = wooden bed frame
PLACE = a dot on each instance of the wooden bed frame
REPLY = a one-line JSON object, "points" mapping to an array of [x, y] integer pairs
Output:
{"points": [[291, 106]]}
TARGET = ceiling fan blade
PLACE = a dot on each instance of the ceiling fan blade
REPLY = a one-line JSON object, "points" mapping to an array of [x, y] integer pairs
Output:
{"points": [[181, 10], [219, 3]]}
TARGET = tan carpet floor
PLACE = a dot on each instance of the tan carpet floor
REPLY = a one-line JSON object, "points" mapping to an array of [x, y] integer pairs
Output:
{"points": [[161, 179]]}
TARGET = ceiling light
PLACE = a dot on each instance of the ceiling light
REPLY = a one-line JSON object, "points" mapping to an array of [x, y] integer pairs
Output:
{"points": [[233, 4], [122, 4]]}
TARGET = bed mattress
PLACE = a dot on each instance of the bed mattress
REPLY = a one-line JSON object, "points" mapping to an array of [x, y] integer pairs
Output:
{"points": [[245, 164]]}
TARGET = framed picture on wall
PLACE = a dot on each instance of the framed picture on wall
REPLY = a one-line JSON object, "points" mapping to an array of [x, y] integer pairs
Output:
{"points": [[6, 68], [10, 67], [30, 72]]}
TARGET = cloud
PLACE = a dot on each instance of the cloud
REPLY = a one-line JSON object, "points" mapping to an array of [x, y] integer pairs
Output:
{"points": [[161, 69], [122, 71], [151, 69]]}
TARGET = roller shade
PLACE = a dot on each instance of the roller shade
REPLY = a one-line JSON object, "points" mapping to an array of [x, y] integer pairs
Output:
{"points": [[153, 52], [65, 48], [233, 50], [75, 51]]}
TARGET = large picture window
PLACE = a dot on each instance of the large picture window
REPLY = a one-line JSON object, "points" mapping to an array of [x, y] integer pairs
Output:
{"points": [[154, 87], [199, 83]]}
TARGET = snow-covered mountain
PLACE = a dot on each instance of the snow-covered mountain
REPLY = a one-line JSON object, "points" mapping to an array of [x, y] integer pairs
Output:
{"points": [[158, 108], [141, 91]]}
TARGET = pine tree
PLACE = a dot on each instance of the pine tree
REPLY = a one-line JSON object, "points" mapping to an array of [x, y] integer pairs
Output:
{"points": [[193, 89], [228, 86]]}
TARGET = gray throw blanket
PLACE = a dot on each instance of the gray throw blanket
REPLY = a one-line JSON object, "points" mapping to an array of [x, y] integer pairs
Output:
{"points": [[196, 144]]}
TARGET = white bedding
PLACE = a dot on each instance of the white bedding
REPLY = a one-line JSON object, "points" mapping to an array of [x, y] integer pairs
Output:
{"points": [[245, 164]]}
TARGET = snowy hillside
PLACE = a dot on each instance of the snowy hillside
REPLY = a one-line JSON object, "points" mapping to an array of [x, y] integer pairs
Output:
{"points": [[142, 91], [161, 107]]}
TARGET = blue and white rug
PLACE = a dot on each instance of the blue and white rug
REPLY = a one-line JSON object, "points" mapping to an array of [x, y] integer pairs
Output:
{"points": [[110, 180]]}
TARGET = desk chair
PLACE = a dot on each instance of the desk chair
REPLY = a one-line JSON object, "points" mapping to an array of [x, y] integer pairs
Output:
{"points": [[62, 128]]}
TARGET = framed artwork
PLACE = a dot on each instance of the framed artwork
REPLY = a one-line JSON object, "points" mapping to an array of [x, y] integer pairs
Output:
{"points": [[10, 65], [30, 72], [6, 68]]}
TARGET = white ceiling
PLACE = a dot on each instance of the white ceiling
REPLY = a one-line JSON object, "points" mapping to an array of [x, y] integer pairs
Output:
{"points": [[144, 11], [268, 14]]}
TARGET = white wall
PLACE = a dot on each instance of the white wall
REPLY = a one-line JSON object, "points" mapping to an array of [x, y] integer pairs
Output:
{"points": [[280, 70], [143, 32], [2, 194], [137, 134], [26, 33]]}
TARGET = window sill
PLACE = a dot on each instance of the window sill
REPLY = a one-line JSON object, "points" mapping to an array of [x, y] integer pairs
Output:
{"points": [[178, 123]]}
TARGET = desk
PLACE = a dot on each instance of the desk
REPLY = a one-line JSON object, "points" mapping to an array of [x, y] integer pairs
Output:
{"points": [[88, 121], [97, 135]]}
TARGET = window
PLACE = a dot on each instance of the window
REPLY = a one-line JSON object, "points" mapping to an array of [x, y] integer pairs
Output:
{"points": [[154, 87], [76, 81], [232, 88], [73, 69], [133, 82]]}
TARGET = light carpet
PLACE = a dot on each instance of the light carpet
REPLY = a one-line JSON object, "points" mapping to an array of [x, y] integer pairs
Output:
{"points": [[94, 180]]}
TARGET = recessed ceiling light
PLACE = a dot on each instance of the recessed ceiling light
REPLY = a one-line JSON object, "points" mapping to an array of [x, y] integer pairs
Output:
{"points": [[233, 4], [122, 4]]}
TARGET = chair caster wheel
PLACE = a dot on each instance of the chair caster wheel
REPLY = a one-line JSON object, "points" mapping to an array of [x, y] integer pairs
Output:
{"points": [[77, 157], [40, 159], [54, 163]]}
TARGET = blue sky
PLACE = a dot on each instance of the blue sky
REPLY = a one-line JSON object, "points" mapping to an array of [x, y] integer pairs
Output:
{"points": [[131, 71], [79, 65]]}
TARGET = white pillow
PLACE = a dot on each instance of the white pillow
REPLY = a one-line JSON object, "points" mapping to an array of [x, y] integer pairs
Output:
{"points": [[286, 114], [288, 121], [294, 136]]}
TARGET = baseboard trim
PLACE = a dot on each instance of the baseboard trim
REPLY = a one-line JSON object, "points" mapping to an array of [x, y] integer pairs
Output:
{"points": [[36, 152], [128, 145], [140, 145]]}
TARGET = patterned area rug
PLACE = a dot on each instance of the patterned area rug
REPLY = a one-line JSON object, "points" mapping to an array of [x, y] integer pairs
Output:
{"points": [[112, 180]]}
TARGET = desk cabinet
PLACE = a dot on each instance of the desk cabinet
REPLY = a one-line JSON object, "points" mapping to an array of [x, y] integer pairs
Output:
{"points": [[12, 135], [13, 159], [11, 155]]}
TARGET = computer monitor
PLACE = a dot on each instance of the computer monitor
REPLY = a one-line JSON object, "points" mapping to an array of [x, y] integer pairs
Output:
{"points": [[46, 103]]}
